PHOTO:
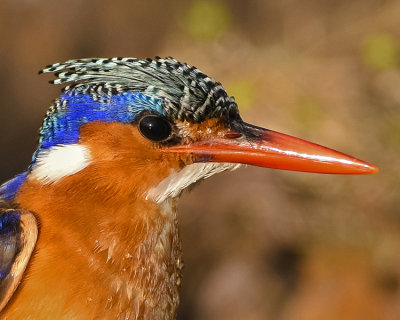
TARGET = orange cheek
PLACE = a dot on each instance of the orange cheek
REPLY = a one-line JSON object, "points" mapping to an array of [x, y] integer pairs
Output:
{"points": [[121, 153]]}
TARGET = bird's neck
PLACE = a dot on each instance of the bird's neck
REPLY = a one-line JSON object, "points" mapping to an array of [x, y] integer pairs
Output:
{"points": [[118, 257]]}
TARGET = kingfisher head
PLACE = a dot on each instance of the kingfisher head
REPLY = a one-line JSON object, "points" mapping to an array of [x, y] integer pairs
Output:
{"points": [[154, 127]]}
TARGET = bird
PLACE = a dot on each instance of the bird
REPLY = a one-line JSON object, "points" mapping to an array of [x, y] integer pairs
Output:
{"points": [[90, 230]]}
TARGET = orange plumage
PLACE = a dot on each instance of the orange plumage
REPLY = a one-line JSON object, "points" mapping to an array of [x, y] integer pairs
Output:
{"points": [[116, 151]]}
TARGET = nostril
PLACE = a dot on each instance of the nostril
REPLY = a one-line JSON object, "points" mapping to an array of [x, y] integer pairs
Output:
{"points": [[233, 135]]}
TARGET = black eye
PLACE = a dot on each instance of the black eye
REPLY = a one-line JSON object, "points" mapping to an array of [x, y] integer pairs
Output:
{"points": [[155, 128]]}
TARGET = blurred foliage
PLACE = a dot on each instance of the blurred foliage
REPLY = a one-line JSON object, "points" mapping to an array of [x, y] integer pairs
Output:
{"points": [[381, 51], [393, 130], [207, 19], [308, 113], [244, 92]]}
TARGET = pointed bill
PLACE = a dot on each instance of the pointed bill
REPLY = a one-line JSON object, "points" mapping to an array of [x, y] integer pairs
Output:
{"points": [[256, 146]]}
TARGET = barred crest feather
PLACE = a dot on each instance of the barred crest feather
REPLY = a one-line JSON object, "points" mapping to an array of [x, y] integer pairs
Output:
{"points": [[187, 93]]}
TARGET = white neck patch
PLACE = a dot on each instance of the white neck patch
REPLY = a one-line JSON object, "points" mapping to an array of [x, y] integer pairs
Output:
{"points": [[177, 181], [60, 161]]}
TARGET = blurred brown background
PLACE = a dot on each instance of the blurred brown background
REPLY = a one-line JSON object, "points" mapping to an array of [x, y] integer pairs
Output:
{"points": [[259, 243]]}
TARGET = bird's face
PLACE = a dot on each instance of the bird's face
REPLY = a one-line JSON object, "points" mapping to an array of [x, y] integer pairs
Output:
{"points": [[163, 125]]}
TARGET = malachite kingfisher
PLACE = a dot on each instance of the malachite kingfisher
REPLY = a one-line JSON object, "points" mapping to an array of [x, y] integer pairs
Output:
{"points": [[90, 230]]}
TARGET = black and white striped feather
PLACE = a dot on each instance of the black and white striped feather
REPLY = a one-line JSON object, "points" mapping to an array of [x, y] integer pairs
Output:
{"points": [[188, 93]]}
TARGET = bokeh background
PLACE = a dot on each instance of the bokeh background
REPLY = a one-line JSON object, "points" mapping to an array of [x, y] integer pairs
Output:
{"points": [[259, 243]]}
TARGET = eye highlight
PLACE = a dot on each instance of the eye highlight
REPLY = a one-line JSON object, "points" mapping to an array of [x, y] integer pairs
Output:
{"points": [[155, 128]]}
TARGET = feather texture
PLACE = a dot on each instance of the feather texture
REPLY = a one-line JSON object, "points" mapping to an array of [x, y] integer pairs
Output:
{"points": [[187, 93]]}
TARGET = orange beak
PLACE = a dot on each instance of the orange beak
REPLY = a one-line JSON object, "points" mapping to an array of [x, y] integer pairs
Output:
{"points": [[256, 146]]}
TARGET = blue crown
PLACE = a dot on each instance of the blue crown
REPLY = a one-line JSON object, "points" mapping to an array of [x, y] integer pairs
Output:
{"points": [[118, 90]]}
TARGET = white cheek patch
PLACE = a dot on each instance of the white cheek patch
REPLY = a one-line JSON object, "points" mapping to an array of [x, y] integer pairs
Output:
{"points": [[59, 162], [177, 181]]}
